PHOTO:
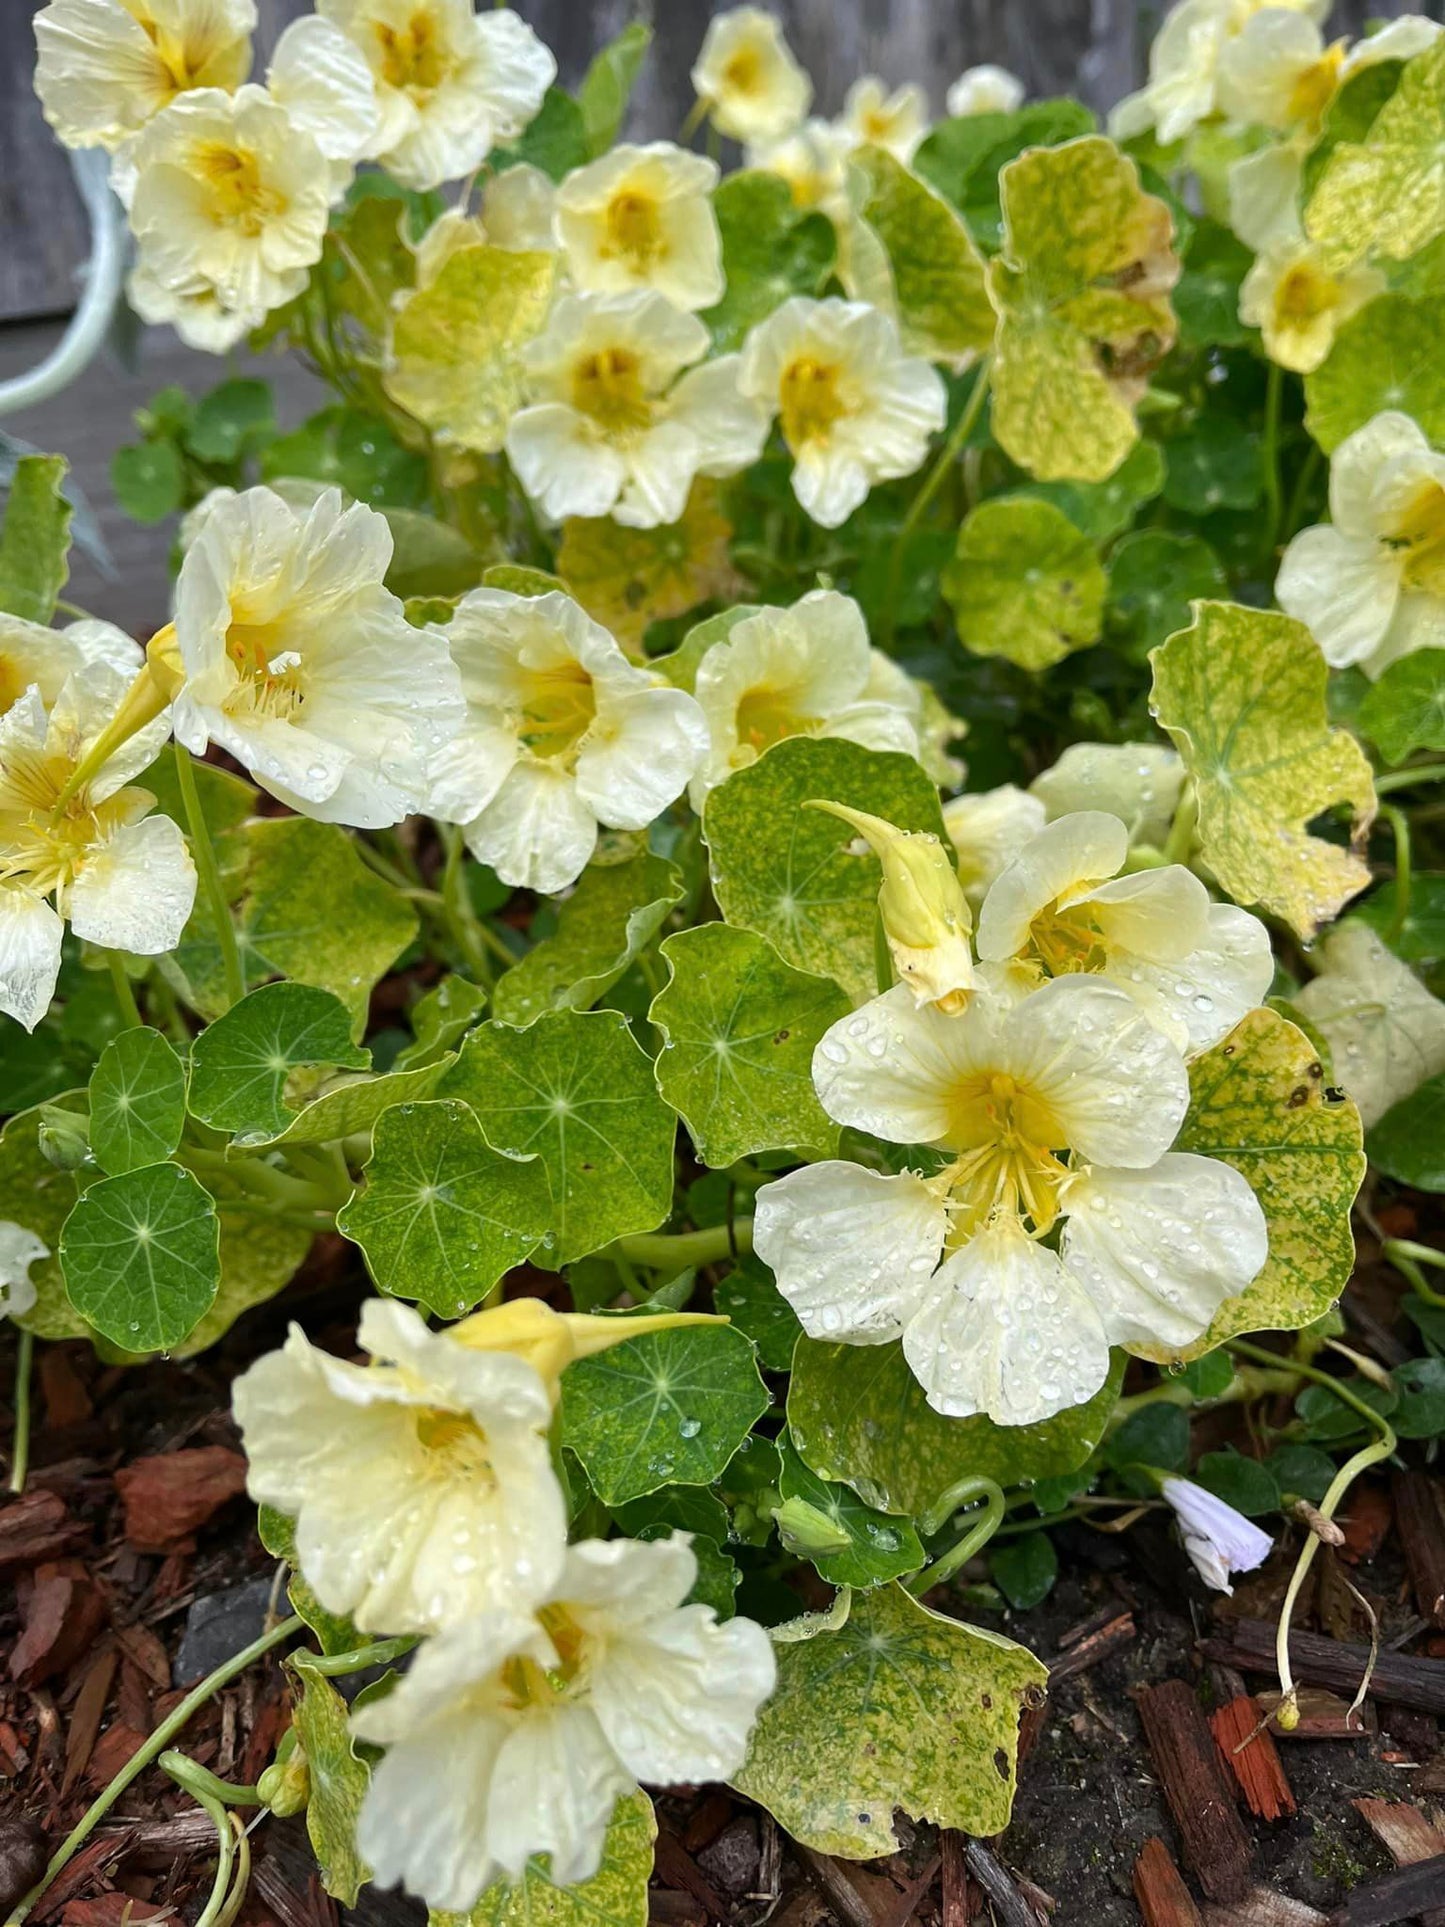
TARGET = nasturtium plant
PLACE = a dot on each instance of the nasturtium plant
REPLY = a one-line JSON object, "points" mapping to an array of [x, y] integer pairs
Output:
{"points": [[792, 839]]}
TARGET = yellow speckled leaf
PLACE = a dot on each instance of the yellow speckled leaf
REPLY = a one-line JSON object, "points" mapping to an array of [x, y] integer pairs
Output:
{"points": [[1025, 583], [940, 281], [453, 357], [615, 1896], [895, 1707], [626, 578], [339, 1778], [1385, 195], [1081, 286], [1387, 356], [1258, 1102], [1242, 693]]}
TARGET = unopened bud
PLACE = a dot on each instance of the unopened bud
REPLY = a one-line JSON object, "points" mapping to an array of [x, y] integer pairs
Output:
{"points": [[926, 918], [163, 662], [1324, 1529], [550, 1340], [63, 1137], [807, 1531], [285, 1786]]}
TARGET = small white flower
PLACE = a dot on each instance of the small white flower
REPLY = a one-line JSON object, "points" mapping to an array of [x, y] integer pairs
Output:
{"points": [[614, 426], [32, 654], [421, 1484], [121, 877], [1059, 1106], [1299, 302], [987, 829], [511, 1736], [875, 117], [746, 74], [451, 83], [1218, 1539], [985, 90], [1184, 62], [813, 160], [19, 1250], [106, 67], [641, 217], [1370, 584], [562, 733], [1385, 1031], [1060, 906], [853, 407], [804, 671], [301, 664], [1137, 782]]}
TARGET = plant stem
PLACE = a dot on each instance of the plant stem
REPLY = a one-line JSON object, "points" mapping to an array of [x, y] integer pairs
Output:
{"points": [[150, 1751], [1180, 840], [204, 853], [933, 482], [1407, 1258], [124, 995], [683, 1248], [1400, 824], [1404, 779], [980, 1531], [176, 1764], [465, 927], [329, 1665], [20, 1444], [1273, 395]]}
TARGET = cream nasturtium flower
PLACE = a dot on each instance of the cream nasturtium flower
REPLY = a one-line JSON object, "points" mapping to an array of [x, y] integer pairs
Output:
{"points": [[853, 407], [1370, 584], [1184, 63], [985, 90], [1278, 71], [987, 829], [106, 67], [19, 1250], [747, 77], [1194, 967], [562, 733], [300, 663], [614, 425], [84, 837], [512, 1735], [1059, 1107], [813, 160], [1137, 782], [451, 83], [1299, 302], [32, 654], [1385, 1031], [804, 671], [641, 217], [875, 117], [421, 1484]]}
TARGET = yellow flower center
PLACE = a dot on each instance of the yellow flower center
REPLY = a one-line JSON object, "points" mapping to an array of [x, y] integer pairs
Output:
{"points": [[1420, 534], [414, 59], [1316, 87], [767, 713], [196, 56], [634, 229], [810, 400], [559, 707], [38, 845], [1304, 294], [1007, 1137], [1067, 940], [525, 1682], [608, 388], [269, 671], [240, 195], [455, 1446], [743, 73]]}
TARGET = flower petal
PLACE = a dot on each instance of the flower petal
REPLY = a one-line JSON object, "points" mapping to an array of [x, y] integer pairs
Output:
{"points": [[30, 939], [135, 891], [556, 1783], [1067, 857], [536, 833]]}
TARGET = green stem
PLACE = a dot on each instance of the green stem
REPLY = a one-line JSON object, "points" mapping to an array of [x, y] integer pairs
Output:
{"points": [[124, 994], [1244, 1387], [149, 1751], [185, 1772], [1407, 1258], [1400, 824], [1180, 840], [1404, 779], [199, 1779], [203, 851], [1274, 393], [1308, 469], [980, 1531], [933, 482], [465, 926], [329, 1665], [678, 1250], [20, 1444]]}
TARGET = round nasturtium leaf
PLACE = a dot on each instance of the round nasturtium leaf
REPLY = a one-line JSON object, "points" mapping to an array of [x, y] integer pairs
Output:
{"points": [[140, 1256], [240, 1063], [771, 249], [628, 578], [1405, 710], [1024, 583], [137, 1102], [877, 1547], [895, 1707], [1408, 1143], [338, 1780], [939, 281], [1386, 356], [614, 912], [1385, 196]]}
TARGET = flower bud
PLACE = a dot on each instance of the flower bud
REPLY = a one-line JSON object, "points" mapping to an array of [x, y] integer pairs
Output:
{"points": [[550, 1340], [926, 918], [807, 1531], [64, 1138], [163, 663], [285, 1786]]}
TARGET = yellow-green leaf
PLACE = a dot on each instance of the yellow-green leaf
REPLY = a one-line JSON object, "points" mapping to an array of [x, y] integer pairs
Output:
{"points": [[1242, 693], [615, 1896], [1081, 286], [339, 1778], [1385, 195], [627, 578], [1386, 356], [614, 912], [939, 279], [454, 357], [35, 538], [895, 1707], [1025, 583]]}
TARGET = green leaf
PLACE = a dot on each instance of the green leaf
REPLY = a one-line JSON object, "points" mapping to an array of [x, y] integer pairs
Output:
{"points": [[610, 918], [226, 799], [368, 261], [576, 1090], [356, 451], [259, 1257], [554, 140], [1154, 575], [1258, 1101], [1420, 1413], [149, 480], [963, 158], [938, 279], [140, 1256], [857, 1414], [240, 1064], [1386, 356], [1024, 1570], [1085, 253], [607, 86], [896, 1707], [681, 667], [1302, 1471], [442, 1215], [792, 874], [1385, 196], [1155, 1435], [518, 580], [1206, 296], [137, 1102], [455, 353], [429, 558], [339, 1778], [674, 1508], [1405, 710], [441, 1019], [769, 252], [1246, 1484], [1242, 693], [878, 1548], [1408, 1143], [1329, 1419], [667, 1408], [1216, 465], [615, 1896], [1210, 1375], [1024, 583], [236, 418], [1421, 937], [1351, 114], [35, 1194], [751, 1299], [1105, 509], [739, 1027], [350, 1106], [35, 538]]}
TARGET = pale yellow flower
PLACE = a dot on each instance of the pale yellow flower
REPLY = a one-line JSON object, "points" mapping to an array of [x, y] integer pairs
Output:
{"points": [[1299, 303], [813, 160], [985, 90], [641, 217], [746, 74], [106, 67], [875, 117]]}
